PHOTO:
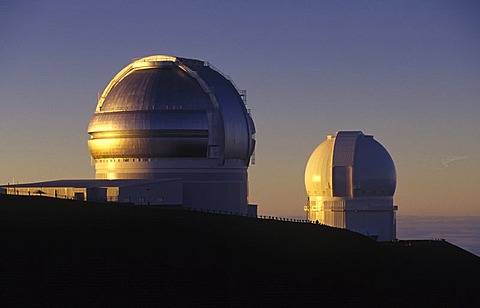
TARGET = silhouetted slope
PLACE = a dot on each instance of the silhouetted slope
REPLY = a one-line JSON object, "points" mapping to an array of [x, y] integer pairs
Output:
{"points": [[63, 252]]}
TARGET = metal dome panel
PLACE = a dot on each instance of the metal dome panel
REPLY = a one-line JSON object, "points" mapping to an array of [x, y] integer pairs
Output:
{"points": [[163, 88], [236, 120], [318, 172], [374, 170], [167, 120], [350, 164]]}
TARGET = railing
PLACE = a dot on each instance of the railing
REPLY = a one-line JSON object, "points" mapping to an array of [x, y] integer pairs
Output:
{"points": [[114, 199], [242, 93], [266, 217]]}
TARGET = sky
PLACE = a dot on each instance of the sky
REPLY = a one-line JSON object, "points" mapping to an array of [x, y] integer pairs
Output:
{"points": [[406, 72]]}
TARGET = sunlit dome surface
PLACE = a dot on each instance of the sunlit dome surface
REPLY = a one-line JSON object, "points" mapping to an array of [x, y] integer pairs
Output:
{"points": [[362, 162], [168, 107]]}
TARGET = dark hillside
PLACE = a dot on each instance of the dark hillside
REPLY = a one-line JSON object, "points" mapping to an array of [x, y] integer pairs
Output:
{"points": [[63, 252]]}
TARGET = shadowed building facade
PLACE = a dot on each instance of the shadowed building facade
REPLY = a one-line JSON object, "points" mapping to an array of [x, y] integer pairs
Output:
{"points": [[350, 180]]}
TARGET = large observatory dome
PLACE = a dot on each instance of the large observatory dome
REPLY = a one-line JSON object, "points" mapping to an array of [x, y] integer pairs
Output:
{"points": [[350, 164], [169, 108], [180, 124]]}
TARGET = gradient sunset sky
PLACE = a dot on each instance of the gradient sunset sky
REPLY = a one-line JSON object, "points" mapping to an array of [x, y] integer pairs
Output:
{"points": [[406, 72]]}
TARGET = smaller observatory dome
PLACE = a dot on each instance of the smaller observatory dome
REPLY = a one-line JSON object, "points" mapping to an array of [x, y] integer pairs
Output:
{"points": [[350, 164]]}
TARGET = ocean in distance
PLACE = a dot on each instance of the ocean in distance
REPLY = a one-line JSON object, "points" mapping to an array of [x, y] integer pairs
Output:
{"points": [[462, 231]]}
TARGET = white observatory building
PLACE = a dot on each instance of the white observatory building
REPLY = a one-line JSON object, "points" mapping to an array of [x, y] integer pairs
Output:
{"points": [[166, 131], [350, 180]]}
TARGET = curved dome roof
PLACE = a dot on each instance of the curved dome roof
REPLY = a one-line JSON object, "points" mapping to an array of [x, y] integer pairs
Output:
{"points": [[165, 107], [350, 164]]}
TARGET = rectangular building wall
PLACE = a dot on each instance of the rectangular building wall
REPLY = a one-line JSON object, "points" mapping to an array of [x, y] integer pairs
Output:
{"points": [[55, 192], [228, 197], [159, 193], [378, 224]]}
